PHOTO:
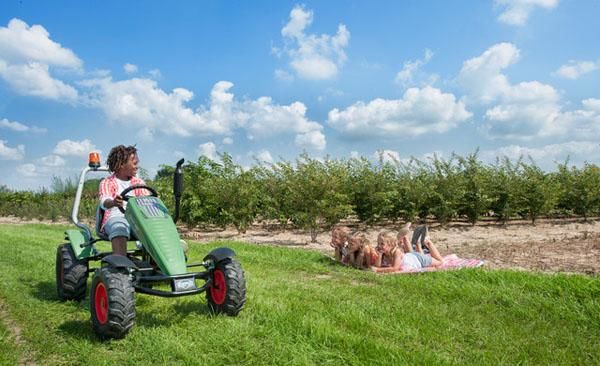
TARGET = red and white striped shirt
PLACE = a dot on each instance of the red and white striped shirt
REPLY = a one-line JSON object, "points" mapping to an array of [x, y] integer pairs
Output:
{"points": [[109, 188]]}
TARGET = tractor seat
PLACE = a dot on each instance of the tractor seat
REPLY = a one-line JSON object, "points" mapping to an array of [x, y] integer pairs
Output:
{"points": [[100, 233]]}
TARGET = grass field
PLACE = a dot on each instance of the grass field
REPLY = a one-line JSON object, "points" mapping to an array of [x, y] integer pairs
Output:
{"points": [[304, 310]]}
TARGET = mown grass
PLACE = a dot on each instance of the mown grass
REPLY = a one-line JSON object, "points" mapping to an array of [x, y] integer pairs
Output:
{"points": [[304, 310]]}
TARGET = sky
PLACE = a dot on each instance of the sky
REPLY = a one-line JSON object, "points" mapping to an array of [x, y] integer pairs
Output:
{"points": [[270, 80]]}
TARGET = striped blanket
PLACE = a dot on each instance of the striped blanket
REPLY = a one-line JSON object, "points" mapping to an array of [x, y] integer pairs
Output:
{"points": [[451, 262]]}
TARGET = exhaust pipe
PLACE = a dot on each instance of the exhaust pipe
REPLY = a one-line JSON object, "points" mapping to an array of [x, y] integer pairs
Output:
{"points": [[177, 187]]}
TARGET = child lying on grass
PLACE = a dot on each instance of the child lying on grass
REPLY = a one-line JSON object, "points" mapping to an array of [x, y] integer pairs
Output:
{"points": [[339, 241], [360, 252], [399, 255]]}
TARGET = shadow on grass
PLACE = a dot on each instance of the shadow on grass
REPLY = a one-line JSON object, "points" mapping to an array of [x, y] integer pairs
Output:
{"points": [[45, 291], [80, 329]]}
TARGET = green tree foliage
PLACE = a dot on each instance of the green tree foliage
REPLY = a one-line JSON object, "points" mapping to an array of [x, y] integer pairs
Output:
{"points": [[314, 194], [373, 188], [537, 191], [475, 199]]}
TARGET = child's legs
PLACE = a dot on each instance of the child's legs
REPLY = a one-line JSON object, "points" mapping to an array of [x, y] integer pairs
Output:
{"points": [[435, 253], [119, 245], [117, 230]]}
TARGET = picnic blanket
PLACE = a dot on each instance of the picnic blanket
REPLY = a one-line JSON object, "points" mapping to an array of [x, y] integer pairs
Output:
{"points": [[451, 262]]}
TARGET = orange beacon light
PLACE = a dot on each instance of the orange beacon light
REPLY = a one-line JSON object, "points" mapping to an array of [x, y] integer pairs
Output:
{"points": [[94, 160]]}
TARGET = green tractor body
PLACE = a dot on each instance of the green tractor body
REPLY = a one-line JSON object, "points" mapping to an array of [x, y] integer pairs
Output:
{"points": [[155, 229]]}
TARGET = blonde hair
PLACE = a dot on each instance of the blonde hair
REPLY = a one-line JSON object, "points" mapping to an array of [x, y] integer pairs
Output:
{"points": [[388, 238], [404, 230], [361, 237], [344, 230]]}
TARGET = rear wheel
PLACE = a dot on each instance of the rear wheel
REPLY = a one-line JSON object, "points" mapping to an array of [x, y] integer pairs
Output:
{"points": [[71, 274], [112, 303], [227, 290]]}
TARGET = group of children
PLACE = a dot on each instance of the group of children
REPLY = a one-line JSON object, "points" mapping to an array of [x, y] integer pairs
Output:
{"points": [[391, 254]]}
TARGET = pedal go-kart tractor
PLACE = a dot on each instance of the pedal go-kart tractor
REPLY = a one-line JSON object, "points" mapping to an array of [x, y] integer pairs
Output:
{"points": [[158, 260]]}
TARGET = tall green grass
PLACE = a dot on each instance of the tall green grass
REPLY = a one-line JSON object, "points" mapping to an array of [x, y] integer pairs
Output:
{"points": [[304, 310]]}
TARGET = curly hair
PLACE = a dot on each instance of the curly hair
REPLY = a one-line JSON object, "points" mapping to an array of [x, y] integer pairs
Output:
{"points": [[119, 155]]}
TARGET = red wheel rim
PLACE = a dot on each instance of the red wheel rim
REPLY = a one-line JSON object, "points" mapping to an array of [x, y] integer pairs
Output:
{"points": [[218, 289], [101, 303]]}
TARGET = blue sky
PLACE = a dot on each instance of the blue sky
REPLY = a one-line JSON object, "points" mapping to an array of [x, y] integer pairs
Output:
{"points": [[268, 80]]}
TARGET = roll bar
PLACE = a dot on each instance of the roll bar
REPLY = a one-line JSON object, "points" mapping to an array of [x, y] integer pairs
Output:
{"points": [[75, 211]]}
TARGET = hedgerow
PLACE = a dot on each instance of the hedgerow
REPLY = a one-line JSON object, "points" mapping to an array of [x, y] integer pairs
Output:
{"points": [[315, 194]]}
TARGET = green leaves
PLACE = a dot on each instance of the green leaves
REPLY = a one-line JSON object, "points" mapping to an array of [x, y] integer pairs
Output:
{"points": [[315, 194]]}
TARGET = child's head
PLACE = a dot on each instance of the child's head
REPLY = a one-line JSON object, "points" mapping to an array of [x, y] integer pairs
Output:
{"points": [[123, 159], [403, 233], [385, 242], [357, 241], [339, 236]]}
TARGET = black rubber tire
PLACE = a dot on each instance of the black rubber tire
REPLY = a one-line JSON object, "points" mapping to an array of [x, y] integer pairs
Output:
{"points": [[113, 313], [71, 274], [232, 299]]}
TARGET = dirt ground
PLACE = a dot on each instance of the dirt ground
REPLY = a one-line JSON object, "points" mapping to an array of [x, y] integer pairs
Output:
{"points": [[571, 246]]}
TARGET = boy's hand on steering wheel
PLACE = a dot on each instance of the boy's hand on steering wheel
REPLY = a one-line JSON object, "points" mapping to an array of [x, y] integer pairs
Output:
{"points": [[118, 201]]}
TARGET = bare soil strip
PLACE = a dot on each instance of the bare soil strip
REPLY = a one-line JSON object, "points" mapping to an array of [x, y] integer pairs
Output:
{"points": [[552, 245]]}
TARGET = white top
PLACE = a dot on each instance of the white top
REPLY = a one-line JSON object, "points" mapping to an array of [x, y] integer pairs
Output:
{"points": [[114, 211], [410, 261]]}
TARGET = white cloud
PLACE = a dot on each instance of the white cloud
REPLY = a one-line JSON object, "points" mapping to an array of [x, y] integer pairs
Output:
{"points": [[315, 57], [517, 111], [130, 68], [11, 153], [227, 141], [411, 70], [311, 140], [74, 148], [26, 56], [354, 154], [19, 127], [264, 156], [34, 79], [420, 111], [574, 69], [516, 12], [141, 104], [27, 170], [53, 161], [481, 76], [547, 155], [208, 149]]}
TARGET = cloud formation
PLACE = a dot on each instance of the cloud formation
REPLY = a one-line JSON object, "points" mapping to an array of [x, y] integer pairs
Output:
{"points": [[141, 104], [19, 127], [526, 110], [74, 148], [516, 12], [27, 55], [313, 57], [411, 72], [11, 153], [419, 111], [575, 69]]}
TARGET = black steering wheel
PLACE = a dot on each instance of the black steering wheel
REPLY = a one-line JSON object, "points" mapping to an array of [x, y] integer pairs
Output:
{"points": [[123, 194]]}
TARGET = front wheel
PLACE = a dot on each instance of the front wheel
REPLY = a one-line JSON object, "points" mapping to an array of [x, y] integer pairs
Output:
{"points": [[227, 290], [112, 303]]}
